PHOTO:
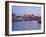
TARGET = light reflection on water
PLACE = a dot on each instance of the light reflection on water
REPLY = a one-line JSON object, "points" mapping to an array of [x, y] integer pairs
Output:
{"points": [[25, 25]]}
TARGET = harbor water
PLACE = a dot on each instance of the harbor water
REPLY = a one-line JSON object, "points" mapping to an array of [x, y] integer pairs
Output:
{"points": [[25, 25]]}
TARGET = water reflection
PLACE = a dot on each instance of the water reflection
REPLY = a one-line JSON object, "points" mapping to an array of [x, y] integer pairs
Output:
{"points": [[25, 25]]}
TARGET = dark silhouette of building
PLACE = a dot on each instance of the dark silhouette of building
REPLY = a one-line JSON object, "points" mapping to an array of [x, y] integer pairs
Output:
{"points": [[26, 17]]}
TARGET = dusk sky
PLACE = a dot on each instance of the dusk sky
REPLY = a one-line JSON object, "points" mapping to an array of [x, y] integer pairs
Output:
{"points": [[21, 10]]}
